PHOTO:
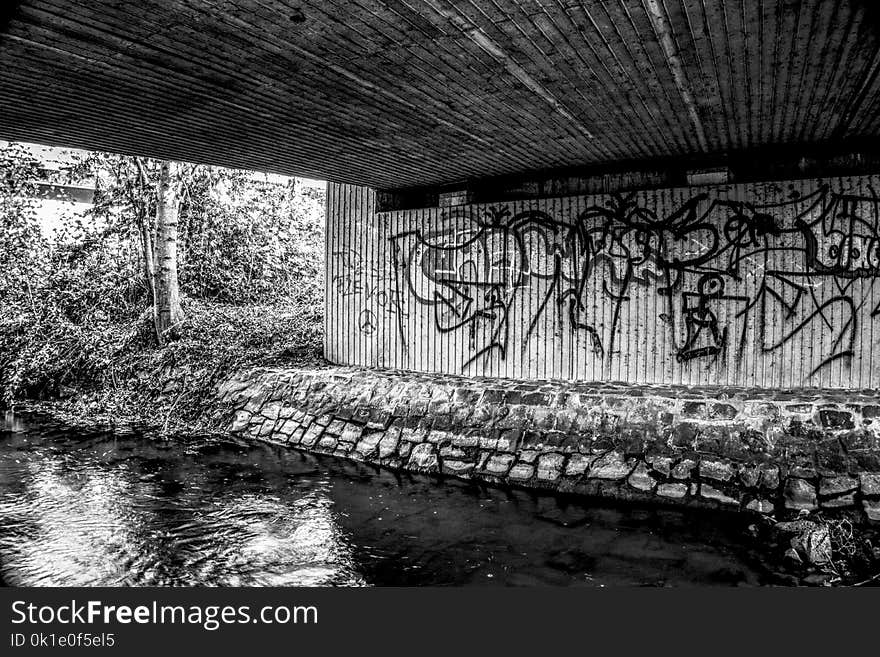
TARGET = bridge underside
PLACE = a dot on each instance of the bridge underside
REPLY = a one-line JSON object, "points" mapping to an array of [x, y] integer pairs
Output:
{"points": [[406, 93], [683, 301]]}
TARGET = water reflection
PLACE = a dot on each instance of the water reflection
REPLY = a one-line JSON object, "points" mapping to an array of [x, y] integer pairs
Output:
{"points": [[101, 508]]}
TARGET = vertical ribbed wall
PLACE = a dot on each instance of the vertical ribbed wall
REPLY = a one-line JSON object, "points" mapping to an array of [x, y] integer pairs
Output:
{"points": [[768, 285]]}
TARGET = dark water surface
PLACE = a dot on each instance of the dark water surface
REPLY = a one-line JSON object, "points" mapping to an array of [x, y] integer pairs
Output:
{"points": [[84, 508]]}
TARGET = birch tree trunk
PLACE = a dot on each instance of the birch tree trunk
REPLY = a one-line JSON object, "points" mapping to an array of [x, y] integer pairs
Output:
{"points": [[167, 311]]}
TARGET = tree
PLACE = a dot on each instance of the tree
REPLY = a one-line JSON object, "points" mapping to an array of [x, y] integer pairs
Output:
{"points": [[177, 231], [159, 190], [167, 311]]}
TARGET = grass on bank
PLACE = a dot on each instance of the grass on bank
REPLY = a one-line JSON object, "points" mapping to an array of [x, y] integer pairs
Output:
{"points": [[113, 372]]}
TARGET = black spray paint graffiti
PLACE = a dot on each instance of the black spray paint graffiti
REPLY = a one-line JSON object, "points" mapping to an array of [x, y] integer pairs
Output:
{"points": [[714, 264]]}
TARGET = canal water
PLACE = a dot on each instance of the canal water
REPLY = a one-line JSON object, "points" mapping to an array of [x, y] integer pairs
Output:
{"points": [[114, 508]]}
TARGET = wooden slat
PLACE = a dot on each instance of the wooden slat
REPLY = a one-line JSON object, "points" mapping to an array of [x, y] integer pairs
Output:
{"points": [[398, 93]]}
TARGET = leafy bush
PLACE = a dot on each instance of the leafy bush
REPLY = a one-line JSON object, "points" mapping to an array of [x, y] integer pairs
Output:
{"points": [[248, 241], [21, 242]]}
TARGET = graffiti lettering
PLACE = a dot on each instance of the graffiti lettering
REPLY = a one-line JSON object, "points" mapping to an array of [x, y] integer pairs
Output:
{"points": [[729, 276]]}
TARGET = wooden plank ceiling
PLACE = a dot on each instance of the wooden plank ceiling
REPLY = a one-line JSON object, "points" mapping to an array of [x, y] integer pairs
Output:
{"points": [[398, 93]]}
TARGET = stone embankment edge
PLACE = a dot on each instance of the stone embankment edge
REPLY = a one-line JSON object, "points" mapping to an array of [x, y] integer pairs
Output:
{"points": [[767, 452]]}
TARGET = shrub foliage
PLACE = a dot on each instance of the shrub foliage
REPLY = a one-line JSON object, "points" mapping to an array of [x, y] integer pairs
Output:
{"points": [[74, 298]]}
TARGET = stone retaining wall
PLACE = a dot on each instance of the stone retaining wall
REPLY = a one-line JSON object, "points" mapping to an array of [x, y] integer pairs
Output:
{"points": [[758, 450]]}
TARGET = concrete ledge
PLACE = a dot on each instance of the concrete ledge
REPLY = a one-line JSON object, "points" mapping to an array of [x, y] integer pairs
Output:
{"points": [[756, 450]]}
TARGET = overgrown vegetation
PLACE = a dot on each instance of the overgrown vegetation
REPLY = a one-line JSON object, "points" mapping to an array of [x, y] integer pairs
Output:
{"points": [[75, 301], [821, 548]]}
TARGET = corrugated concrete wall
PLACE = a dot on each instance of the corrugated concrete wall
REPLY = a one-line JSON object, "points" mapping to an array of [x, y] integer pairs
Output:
{"points": [[769, 285]]}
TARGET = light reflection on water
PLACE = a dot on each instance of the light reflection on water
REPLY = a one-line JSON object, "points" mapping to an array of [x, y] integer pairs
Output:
{"points": [[82, 508]]}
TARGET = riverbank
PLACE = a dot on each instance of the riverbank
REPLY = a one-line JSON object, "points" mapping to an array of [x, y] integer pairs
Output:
{"points": [[781, 551], [115, 374], [802, 464], [177, 390]]}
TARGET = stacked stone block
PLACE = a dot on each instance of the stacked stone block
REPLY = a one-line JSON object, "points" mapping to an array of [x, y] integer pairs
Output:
{"points": [[756, 450]]}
